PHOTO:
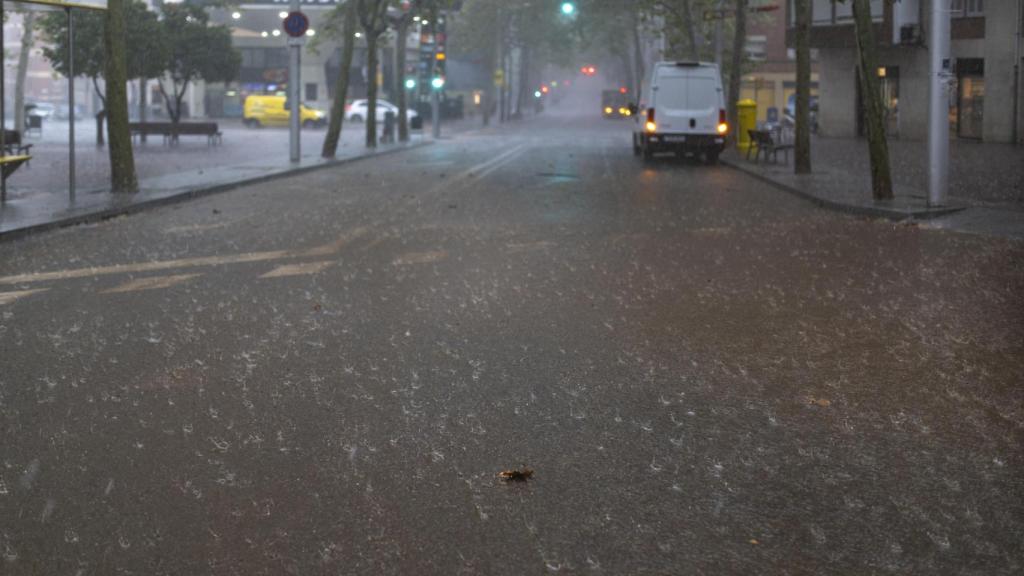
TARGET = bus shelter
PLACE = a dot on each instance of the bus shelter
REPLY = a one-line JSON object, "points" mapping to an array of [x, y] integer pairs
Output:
{"points": [[9, 162]]}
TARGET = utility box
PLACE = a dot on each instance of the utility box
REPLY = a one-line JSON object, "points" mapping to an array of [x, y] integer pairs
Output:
{"points": [[746, 112]]}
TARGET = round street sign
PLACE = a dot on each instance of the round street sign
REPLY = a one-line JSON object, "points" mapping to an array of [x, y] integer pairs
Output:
{"points": [[296, 24]]}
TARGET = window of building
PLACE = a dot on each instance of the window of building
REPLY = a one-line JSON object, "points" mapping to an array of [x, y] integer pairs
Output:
{"points": [[966, 8], [312, 92], [757, 48]]}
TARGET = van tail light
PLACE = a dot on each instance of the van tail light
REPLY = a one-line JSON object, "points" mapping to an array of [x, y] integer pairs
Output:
{"points": [[723, 125], [348, 107], [650, 126]]}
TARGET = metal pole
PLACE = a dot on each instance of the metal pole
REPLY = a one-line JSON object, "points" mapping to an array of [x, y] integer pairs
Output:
{"points": [[1016, 73], [938, 109], [3, 111], [435, 92], [71, 107], [294, 91], [718, 33]]}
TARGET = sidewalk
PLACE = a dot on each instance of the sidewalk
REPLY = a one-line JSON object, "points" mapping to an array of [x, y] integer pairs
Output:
{"points": [[986, 183], [38, 194]]}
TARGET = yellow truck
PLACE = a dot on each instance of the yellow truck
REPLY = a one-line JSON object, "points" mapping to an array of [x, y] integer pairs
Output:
{"points": [[273, 111]]}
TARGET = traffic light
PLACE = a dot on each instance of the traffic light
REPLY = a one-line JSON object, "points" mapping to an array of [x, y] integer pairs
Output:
{"points": [[410, 83], [588, 70], [568, 8], [437, 83], [545, 89]]}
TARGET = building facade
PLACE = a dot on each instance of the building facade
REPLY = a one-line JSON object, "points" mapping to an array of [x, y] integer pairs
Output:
{"points": [[772, 80], [985, 99]]}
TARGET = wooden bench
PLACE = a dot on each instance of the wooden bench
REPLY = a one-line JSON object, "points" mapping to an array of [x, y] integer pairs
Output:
{"points": [[765, 144], [13, 145], [172, 132]]}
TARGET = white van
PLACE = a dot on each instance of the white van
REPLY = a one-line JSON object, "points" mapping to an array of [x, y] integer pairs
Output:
{"points": [[682, 110]]}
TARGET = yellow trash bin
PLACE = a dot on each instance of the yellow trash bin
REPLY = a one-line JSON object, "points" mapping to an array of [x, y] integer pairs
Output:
{"points": [[746, 110]]}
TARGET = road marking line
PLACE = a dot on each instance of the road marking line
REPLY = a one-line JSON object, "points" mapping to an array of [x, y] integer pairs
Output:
{"points": [[8, 297], [504, 162], [151, 283], [420, 258], [323, 250], [303, 269]]}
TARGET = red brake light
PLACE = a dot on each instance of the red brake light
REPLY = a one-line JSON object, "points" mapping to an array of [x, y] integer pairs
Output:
{"points": [[721, 116]]}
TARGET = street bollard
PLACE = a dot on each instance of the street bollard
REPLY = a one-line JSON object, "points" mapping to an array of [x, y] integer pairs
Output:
{"points": [[389, 128], [746, 112]]}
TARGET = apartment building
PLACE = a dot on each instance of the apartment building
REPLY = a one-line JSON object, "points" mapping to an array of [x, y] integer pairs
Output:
{"points": [[984, 100]]}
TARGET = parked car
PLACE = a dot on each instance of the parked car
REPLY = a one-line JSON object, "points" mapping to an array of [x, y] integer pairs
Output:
{"points": [[41, 109], [273, 111], [682, 110], [63, 110], [356, 111]]}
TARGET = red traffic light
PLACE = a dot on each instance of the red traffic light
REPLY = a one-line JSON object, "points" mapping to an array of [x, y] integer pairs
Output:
{"points": [[588, 70], [544, 89], [623, 90]]}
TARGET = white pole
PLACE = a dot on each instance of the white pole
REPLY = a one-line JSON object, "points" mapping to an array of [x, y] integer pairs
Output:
{"points": [[294, 93], [938, 109], [71, 105]]}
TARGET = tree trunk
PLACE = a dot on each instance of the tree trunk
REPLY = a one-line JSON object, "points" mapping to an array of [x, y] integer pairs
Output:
{"points": [[142, 107], [101, 116], [638, 55], [341, 84], [802, 146], [874, 114], [693, 34], [122, 162], [522, 97], [739, 45], [401, 94], [27, 40], [371, 90]]}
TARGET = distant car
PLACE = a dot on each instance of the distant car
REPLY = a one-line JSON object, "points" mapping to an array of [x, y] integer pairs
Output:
{"points": [[63, 112], [273, 111], [356, 111], [615, 104], [41, 109]]}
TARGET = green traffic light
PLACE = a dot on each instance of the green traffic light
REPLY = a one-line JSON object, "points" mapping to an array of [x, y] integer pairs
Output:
{"points": [[568, 8], [410, 84]]}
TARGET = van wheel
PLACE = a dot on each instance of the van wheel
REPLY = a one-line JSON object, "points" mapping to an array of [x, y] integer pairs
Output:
{"points": [[356, 119], [308, 125], [647, 151], [254, 123]]}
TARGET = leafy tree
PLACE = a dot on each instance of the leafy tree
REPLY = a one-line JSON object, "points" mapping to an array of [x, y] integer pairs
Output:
{"points": [[196, 51], [28, 19], [802, 148], [736, 69], [373, 18], [874, 111], [341, 21], [122, 162]]}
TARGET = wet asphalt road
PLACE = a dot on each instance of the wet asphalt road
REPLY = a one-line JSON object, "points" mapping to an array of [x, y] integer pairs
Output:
{"points": [[323, 375]]}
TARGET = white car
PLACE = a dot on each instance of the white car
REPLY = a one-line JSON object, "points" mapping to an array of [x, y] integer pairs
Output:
{"points": [[356, 111], [682, 111]]}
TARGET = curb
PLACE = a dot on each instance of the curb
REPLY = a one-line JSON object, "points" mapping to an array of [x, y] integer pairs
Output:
{"points": [[855, 209], [185, 195]]}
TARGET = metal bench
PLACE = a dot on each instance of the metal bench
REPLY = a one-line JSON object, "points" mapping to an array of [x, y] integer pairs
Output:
{"points": [[765, 145], [11, 163], [172, 132], [13, 145]]}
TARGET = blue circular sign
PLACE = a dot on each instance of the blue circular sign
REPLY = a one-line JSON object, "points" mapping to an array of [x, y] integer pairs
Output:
{"points": [[296, 24]]}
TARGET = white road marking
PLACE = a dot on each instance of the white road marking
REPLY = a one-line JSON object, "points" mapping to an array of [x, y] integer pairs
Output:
{"points": [[303, 269], [420, 258], [150, 283], [8, 297], [515, 152], [323, 250]]}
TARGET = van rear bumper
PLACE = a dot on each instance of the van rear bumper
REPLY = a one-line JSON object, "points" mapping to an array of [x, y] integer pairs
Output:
{"points": [[686, 142]]}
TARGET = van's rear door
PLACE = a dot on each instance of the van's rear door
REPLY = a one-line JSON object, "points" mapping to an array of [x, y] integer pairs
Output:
{"points": [[688, 100]]}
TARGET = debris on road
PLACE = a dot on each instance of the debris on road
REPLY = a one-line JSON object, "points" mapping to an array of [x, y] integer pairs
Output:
{"points": [[521, 475]]}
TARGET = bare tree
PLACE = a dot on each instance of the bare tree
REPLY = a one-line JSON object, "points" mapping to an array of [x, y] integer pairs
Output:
{"points": [[874, 114], [802, 148], [373, 18]]}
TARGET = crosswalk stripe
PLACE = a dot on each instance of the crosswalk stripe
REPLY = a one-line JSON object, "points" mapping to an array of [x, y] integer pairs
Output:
{"points": [[150, 283], [8, 297], [303, 269]]}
